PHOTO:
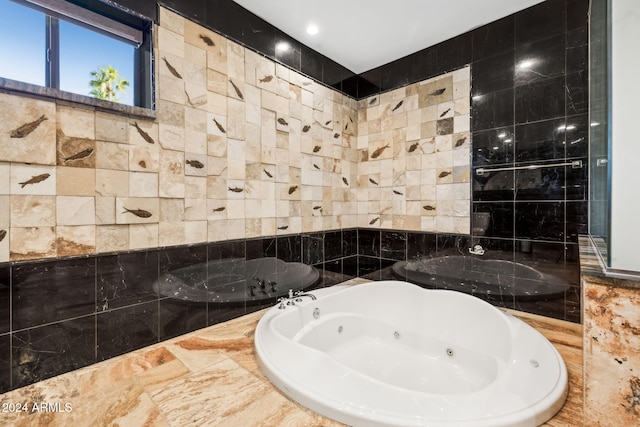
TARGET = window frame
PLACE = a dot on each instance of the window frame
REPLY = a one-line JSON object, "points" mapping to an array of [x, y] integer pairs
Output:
{"points": [[138, 32]]}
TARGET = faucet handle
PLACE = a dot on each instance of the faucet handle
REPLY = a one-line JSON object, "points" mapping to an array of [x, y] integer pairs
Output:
{"points": [[290, 293]]}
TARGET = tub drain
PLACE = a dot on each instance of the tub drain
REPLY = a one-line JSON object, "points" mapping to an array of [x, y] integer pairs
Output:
{"points": [[396, 335], [450, 352]]}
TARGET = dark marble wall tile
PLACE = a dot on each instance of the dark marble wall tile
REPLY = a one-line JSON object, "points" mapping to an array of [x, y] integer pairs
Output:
{"points": [[492, 110], [543, 140], [196, 10], [493, 186], [577, 182], [46, 351], [577, 53], [540, 221], [540, 60], [454, 53], [544, 99], [452, 244], [393, 245], [493, 147], [350, 242], [493, 74], [126, 329], [493, 38], [501, 218], [125, 279], [368, 267], [420, 245], [52, 291], [235, 249], [289, 248], [5, 363], [395, 74], [539, 22], [261, 248], [577, 93], [369, 242], [311, 63], [497, 249], [333, 245], [313, 248], [577, 136], [577, 220], [423, 64], [5, 298], [177, 317], [350, 266], [544, 183]]}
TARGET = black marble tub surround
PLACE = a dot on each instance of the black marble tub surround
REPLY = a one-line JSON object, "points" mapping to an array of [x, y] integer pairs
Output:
{"points": [[59, 315]]}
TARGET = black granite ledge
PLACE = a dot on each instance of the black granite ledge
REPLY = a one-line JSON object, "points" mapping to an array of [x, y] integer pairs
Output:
{"points": [[15, 87]]}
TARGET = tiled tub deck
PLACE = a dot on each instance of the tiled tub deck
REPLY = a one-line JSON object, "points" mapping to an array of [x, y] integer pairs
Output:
{"points": [[211, 377]]}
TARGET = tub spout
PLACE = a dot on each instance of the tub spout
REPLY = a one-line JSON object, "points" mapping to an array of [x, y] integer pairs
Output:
{"points": [[299, 296]]}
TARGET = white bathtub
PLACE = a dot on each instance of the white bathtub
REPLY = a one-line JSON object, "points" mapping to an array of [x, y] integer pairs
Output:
{"points": [[391, 353]]}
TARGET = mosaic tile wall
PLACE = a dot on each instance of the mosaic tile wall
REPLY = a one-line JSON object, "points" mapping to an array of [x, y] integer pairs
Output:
{"points": [[241, 147]]}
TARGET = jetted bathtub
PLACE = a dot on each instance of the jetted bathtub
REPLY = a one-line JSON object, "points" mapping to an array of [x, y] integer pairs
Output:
{"points": [[391, 353]]}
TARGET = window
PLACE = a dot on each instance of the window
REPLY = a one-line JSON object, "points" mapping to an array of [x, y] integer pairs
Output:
{"points": [[58, 44]]}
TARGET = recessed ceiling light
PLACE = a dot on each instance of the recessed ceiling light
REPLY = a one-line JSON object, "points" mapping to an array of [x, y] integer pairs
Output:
{"points": [[312, 29]]}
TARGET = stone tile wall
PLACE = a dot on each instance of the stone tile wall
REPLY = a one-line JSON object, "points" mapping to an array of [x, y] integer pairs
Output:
{"points": [[241, 147], [414, 151]]}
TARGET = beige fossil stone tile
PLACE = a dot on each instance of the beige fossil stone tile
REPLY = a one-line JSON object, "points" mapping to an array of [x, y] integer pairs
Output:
{"points": [[33, 211], [110, 238], [32, 179], [75, 181], [112, 127], [171, 210], [170, 113], [136, 210], [171, 233], [171, 176], [76, 122], [75, 152], [435, 91], [105, 210], [75, 210], [143, 184], [5, 178], [27, 130], [195, 164], [112, 183], [144, 159], [174, 22], [32, 242], [195, 209], [198, 36], [195, 232], [171, 137], [170, 42], [170, 87], [217, 82], [143, 236], [143, 133], [110, 155], [75, 240], [235, 60]]}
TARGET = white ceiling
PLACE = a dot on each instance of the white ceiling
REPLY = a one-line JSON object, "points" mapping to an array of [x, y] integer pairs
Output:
{"points": [[364, 34]]}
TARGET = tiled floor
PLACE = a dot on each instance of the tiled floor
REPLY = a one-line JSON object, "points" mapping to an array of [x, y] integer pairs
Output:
{"points": [[211, 378]]}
